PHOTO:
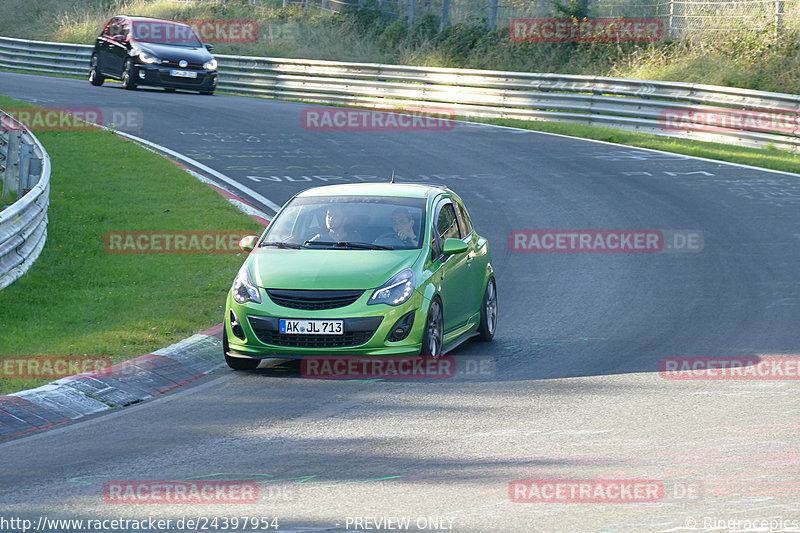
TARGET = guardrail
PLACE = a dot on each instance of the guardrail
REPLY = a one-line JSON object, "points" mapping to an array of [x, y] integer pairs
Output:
{"points": [[701, 112], [24, 169]]}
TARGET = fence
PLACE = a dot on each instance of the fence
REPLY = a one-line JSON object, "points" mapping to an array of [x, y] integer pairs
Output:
{"points": [[682, 18], [24, 170]]}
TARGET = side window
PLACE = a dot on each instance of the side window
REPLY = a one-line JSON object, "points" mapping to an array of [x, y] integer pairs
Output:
{"points": [[446, 224], [108, 30], [463, 218], [116, 26]]}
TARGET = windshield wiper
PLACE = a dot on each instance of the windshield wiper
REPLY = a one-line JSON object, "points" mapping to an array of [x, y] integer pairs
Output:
{"points": [[280, 244], [347, 244]]}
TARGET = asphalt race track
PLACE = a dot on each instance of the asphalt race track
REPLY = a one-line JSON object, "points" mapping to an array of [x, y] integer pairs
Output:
{"points": [[570, 388]]}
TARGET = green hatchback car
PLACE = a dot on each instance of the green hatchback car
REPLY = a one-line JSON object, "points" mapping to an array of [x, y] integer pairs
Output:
{"points": [[370, 269]]}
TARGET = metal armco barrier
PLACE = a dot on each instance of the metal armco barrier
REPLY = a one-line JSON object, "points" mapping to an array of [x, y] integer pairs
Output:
{"points": [[701, 112], [24, 164]]}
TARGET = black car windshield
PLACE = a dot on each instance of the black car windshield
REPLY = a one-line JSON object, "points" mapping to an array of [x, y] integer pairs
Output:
{"points": [[350, 223], [165, 32]]}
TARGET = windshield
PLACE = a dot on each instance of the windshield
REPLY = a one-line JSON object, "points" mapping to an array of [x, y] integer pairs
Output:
{"points": [[349, 222], [161, 32]]}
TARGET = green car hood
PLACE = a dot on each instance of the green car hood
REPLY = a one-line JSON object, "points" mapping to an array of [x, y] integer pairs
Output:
{"points": [[327, 269]]}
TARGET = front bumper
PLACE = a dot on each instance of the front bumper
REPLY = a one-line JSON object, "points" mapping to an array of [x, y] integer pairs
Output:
{"points": [[366, 329], [159, 76]]}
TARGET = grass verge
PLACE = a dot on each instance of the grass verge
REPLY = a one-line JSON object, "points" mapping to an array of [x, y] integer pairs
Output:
{"points": [[77, 299]]}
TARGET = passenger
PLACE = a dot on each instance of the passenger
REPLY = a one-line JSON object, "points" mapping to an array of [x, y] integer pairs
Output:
{"points": [[404, 234]]}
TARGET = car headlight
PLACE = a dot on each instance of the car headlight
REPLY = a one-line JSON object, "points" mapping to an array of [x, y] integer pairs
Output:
{"points": [[395, 291], [210, 65], [147, 58], [244, 290]]}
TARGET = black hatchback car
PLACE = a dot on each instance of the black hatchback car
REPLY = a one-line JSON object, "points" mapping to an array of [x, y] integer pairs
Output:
{"points": [[155, 52]]}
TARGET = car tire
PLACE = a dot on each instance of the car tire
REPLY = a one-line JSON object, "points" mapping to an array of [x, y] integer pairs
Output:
{"points": [[208, 93], [488, 323], [433, 337], [95, 78], [128, 81], [236, 363]]}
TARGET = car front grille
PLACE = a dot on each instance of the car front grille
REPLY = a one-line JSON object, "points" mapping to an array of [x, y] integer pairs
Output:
{"points": [[313, 300], [357, 331], [176, 63]]}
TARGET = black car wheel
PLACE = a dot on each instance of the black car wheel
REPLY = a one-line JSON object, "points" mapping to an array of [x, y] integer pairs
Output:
{"points": [[207, 92], [488, 323], [94, 75], [128, 74], [434, 331], [236, 363]]}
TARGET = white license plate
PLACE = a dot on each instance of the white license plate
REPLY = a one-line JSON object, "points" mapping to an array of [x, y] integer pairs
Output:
{"points": [[183, 73], [312, 327]]}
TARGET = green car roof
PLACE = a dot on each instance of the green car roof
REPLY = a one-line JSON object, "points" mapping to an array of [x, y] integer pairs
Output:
{"points": [[404, 190]]}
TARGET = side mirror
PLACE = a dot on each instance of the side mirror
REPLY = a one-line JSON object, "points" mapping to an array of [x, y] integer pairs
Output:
{"points": [[454, 246], [209, 47], [248, 243]]}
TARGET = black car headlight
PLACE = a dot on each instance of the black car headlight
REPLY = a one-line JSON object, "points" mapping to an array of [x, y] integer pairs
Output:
{"points": [[395, 291], [148, 58], [210, 65], [244, 290]]}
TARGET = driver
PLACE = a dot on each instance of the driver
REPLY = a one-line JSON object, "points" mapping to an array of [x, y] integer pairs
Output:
{"points": [[337, 222]]}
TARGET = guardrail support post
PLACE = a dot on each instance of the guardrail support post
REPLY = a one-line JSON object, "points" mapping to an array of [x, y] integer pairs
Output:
{"points": [[11, 183], [3, 159], [671, 25], [25, 156], [493, 14]]}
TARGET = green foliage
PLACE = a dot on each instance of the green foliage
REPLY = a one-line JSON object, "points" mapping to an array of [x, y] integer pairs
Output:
{"points": [[424, 29], [457, 41], [574, 9], [395, 34], [367, 19]]}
